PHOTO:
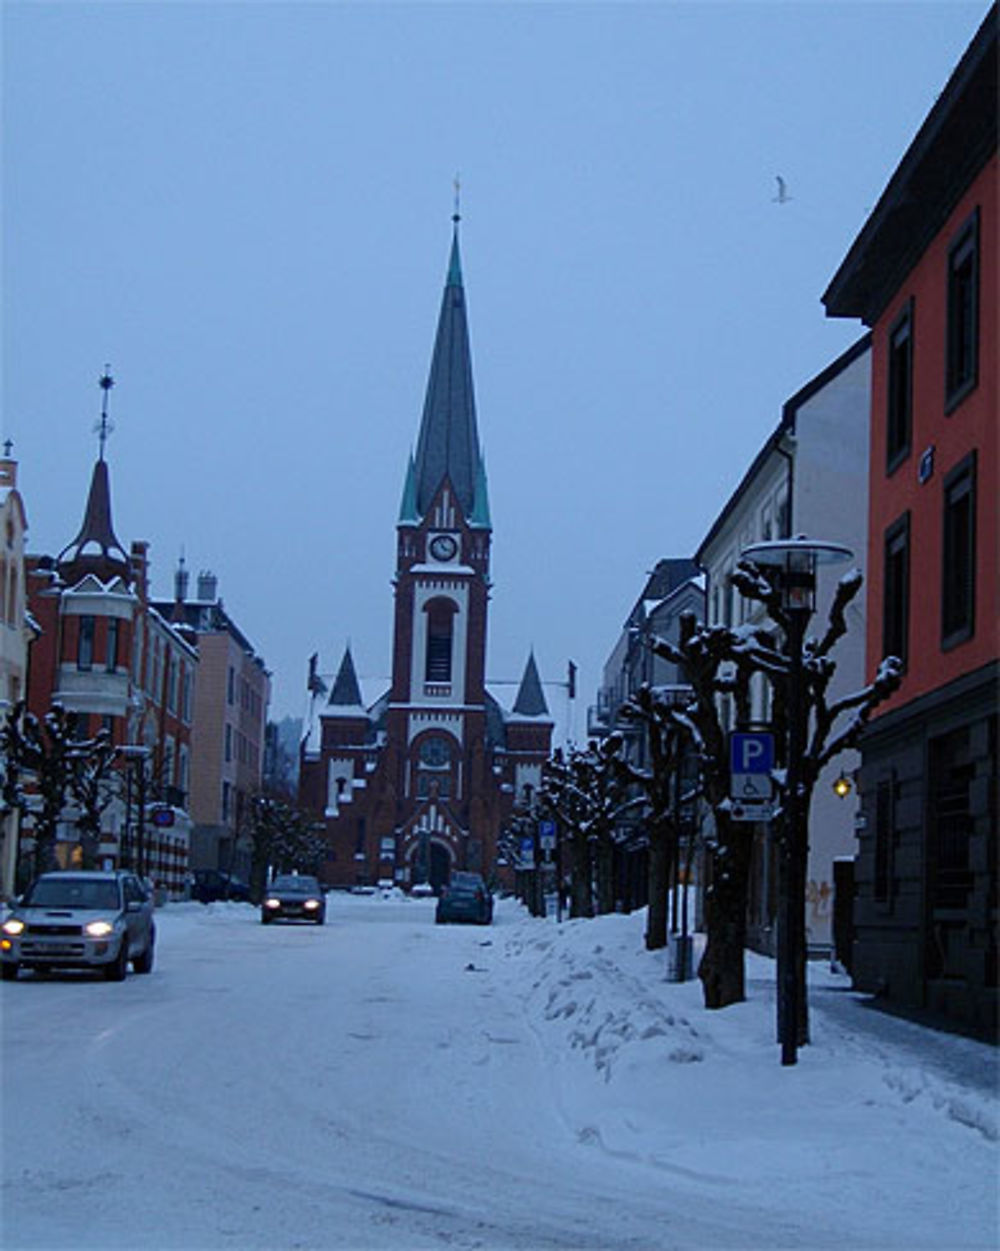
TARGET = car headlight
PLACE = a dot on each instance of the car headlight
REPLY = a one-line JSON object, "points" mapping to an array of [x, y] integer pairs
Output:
{"points": [[312, 903], [272, 903], [13, 926], [99, 929]]}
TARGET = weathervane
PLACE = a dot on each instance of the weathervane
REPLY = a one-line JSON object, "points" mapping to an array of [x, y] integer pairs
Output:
{"points": [[105, 426]]}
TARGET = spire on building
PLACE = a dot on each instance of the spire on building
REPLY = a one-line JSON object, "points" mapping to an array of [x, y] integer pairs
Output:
{"points": [[448, 444], [530, 700], [95, 549], [346, 691]]}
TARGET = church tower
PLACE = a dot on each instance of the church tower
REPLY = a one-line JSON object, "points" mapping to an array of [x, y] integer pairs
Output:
{"points": [[418, 784]]}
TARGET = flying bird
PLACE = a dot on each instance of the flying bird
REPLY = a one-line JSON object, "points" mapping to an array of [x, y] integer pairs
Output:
{"points": [[782, 197]]}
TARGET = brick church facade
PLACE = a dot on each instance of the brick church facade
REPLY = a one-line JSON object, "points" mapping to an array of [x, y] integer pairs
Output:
{"points": [[420, 783]]}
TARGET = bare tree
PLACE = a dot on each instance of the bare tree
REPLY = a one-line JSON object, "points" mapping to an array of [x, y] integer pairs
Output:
{"points": [[656, 710], [720, 661]]}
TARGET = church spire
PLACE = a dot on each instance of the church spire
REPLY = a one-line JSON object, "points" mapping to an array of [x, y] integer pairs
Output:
{"points": [[530, 700], [448, 444], [96, 549]]}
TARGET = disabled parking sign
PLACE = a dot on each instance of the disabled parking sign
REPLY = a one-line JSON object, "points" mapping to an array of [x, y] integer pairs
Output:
{"points": [[751, 759]]}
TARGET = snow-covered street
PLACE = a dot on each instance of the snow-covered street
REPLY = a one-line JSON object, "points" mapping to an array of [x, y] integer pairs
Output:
{"points": [[383, 1082]]}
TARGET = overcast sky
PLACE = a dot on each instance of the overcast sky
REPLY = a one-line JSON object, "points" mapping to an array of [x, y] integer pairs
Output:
{"points": [[245, 210]]}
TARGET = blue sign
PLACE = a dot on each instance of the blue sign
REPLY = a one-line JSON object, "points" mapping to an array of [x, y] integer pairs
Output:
{"points": [[751, 752], [751, 759], [547, 828]]}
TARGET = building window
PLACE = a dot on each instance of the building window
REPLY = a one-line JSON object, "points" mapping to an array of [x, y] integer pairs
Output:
{"points": [[111, 660], [885, 830], [896, 589], [958, 583], [229, 743], [440, 618], [899, 417], [783, 518], [230, 685], [962, 347], [85, 644], [226, 790], [171, 683]]}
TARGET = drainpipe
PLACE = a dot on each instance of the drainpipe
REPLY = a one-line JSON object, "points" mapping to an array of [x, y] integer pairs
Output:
{"points": [[780, 448]]}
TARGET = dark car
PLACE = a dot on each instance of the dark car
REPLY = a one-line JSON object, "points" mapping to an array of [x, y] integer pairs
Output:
{"points": [[293, 897], [211, 885], [80, 920], [465, 898]]}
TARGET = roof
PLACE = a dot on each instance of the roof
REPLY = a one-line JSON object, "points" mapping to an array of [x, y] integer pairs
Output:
{"points": [[530, 701], [346, 693], [95, 549], [956, 140], [448, 443]]}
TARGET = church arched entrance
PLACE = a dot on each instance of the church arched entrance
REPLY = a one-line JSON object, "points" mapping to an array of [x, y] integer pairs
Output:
{"points": [[440, 866]]}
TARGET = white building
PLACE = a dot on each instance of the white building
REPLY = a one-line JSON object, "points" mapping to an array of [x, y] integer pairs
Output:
{"points": [[811, 478]]}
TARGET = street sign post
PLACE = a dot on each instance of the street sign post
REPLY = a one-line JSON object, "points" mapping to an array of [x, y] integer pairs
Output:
{"points": [[526, 854], [547, 835]]}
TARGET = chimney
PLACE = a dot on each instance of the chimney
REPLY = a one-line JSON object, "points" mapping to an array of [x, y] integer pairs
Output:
{"points": [[181, 580], [207, 586]]}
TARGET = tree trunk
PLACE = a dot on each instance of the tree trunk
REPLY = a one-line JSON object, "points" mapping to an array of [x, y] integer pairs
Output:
{"points": [[604, 856], [721, 969], [582, 897], [659, 885]]}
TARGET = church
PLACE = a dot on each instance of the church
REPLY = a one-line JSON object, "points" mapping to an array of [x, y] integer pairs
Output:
{"points": [[421, 782]]}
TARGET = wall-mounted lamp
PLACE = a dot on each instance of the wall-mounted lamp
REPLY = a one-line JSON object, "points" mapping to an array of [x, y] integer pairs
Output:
{"points": [[842, 786]]}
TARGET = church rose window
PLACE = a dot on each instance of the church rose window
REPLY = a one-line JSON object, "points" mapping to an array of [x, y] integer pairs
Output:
{"points": [[435, 752]]}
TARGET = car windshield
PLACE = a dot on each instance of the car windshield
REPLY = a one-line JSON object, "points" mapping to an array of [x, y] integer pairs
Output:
{"points": [[302, 885], [72, 892], [465, 887]]}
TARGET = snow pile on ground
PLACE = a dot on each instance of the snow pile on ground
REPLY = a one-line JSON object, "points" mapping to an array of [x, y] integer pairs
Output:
{"points": [[644, 1073]]}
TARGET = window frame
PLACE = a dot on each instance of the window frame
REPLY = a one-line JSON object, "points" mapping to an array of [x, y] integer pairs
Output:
{"points": [[961, 375], [899, 390], [896, 608], [86, 632], [957, 626]]}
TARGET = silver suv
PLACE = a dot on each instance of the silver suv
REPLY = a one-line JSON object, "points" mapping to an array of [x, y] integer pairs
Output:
{"points": [[80, 919]]}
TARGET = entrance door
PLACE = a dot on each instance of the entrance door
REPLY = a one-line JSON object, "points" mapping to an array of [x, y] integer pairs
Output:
{"points": [[440, 869]]}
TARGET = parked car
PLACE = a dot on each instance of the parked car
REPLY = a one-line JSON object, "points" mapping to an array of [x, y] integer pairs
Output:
{"points": [[210, 885], [466, 897], [293, 897], [80, 919]]}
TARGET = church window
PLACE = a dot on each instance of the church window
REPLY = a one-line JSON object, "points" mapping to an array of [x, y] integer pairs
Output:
{"points": [[440, 619], [435, 752]]}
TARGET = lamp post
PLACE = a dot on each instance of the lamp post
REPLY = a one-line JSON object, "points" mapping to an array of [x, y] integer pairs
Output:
{"points": [[793, 563]]}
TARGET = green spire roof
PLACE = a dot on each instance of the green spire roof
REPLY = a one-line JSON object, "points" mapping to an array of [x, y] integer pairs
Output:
{"points": [[448, 444], [408, 505], [346, 692]]}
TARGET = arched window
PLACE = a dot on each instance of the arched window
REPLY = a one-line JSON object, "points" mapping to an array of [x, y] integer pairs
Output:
{"points": [[440, 629]]}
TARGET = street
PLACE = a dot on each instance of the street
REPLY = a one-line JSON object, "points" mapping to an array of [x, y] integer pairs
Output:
{"points": [[382, 1082]]}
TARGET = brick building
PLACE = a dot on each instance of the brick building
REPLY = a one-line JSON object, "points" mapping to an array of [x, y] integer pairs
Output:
{"points": [[420, 781], [923, 275]]}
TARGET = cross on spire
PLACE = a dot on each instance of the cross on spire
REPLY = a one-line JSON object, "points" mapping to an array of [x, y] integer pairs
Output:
{"points": [[105, 426]]}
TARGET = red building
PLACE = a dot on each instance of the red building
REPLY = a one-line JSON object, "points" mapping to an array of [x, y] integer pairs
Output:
{"points": [[420, 781], [923, 274], [114, 663]]}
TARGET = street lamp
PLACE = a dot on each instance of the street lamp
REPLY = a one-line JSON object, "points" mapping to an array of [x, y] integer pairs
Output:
{"points": [[793, 564]]}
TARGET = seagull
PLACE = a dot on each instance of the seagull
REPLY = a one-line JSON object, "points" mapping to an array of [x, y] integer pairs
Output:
{"points": [[782, 197]]}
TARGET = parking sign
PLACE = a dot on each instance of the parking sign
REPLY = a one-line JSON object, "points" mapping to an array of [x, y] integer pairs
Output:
{"points": [[751, 759]]}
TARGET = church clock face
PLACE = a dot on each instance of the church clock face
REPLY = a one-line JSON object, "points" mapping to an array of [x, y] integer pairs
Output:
{"points": [[443, 547]]}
